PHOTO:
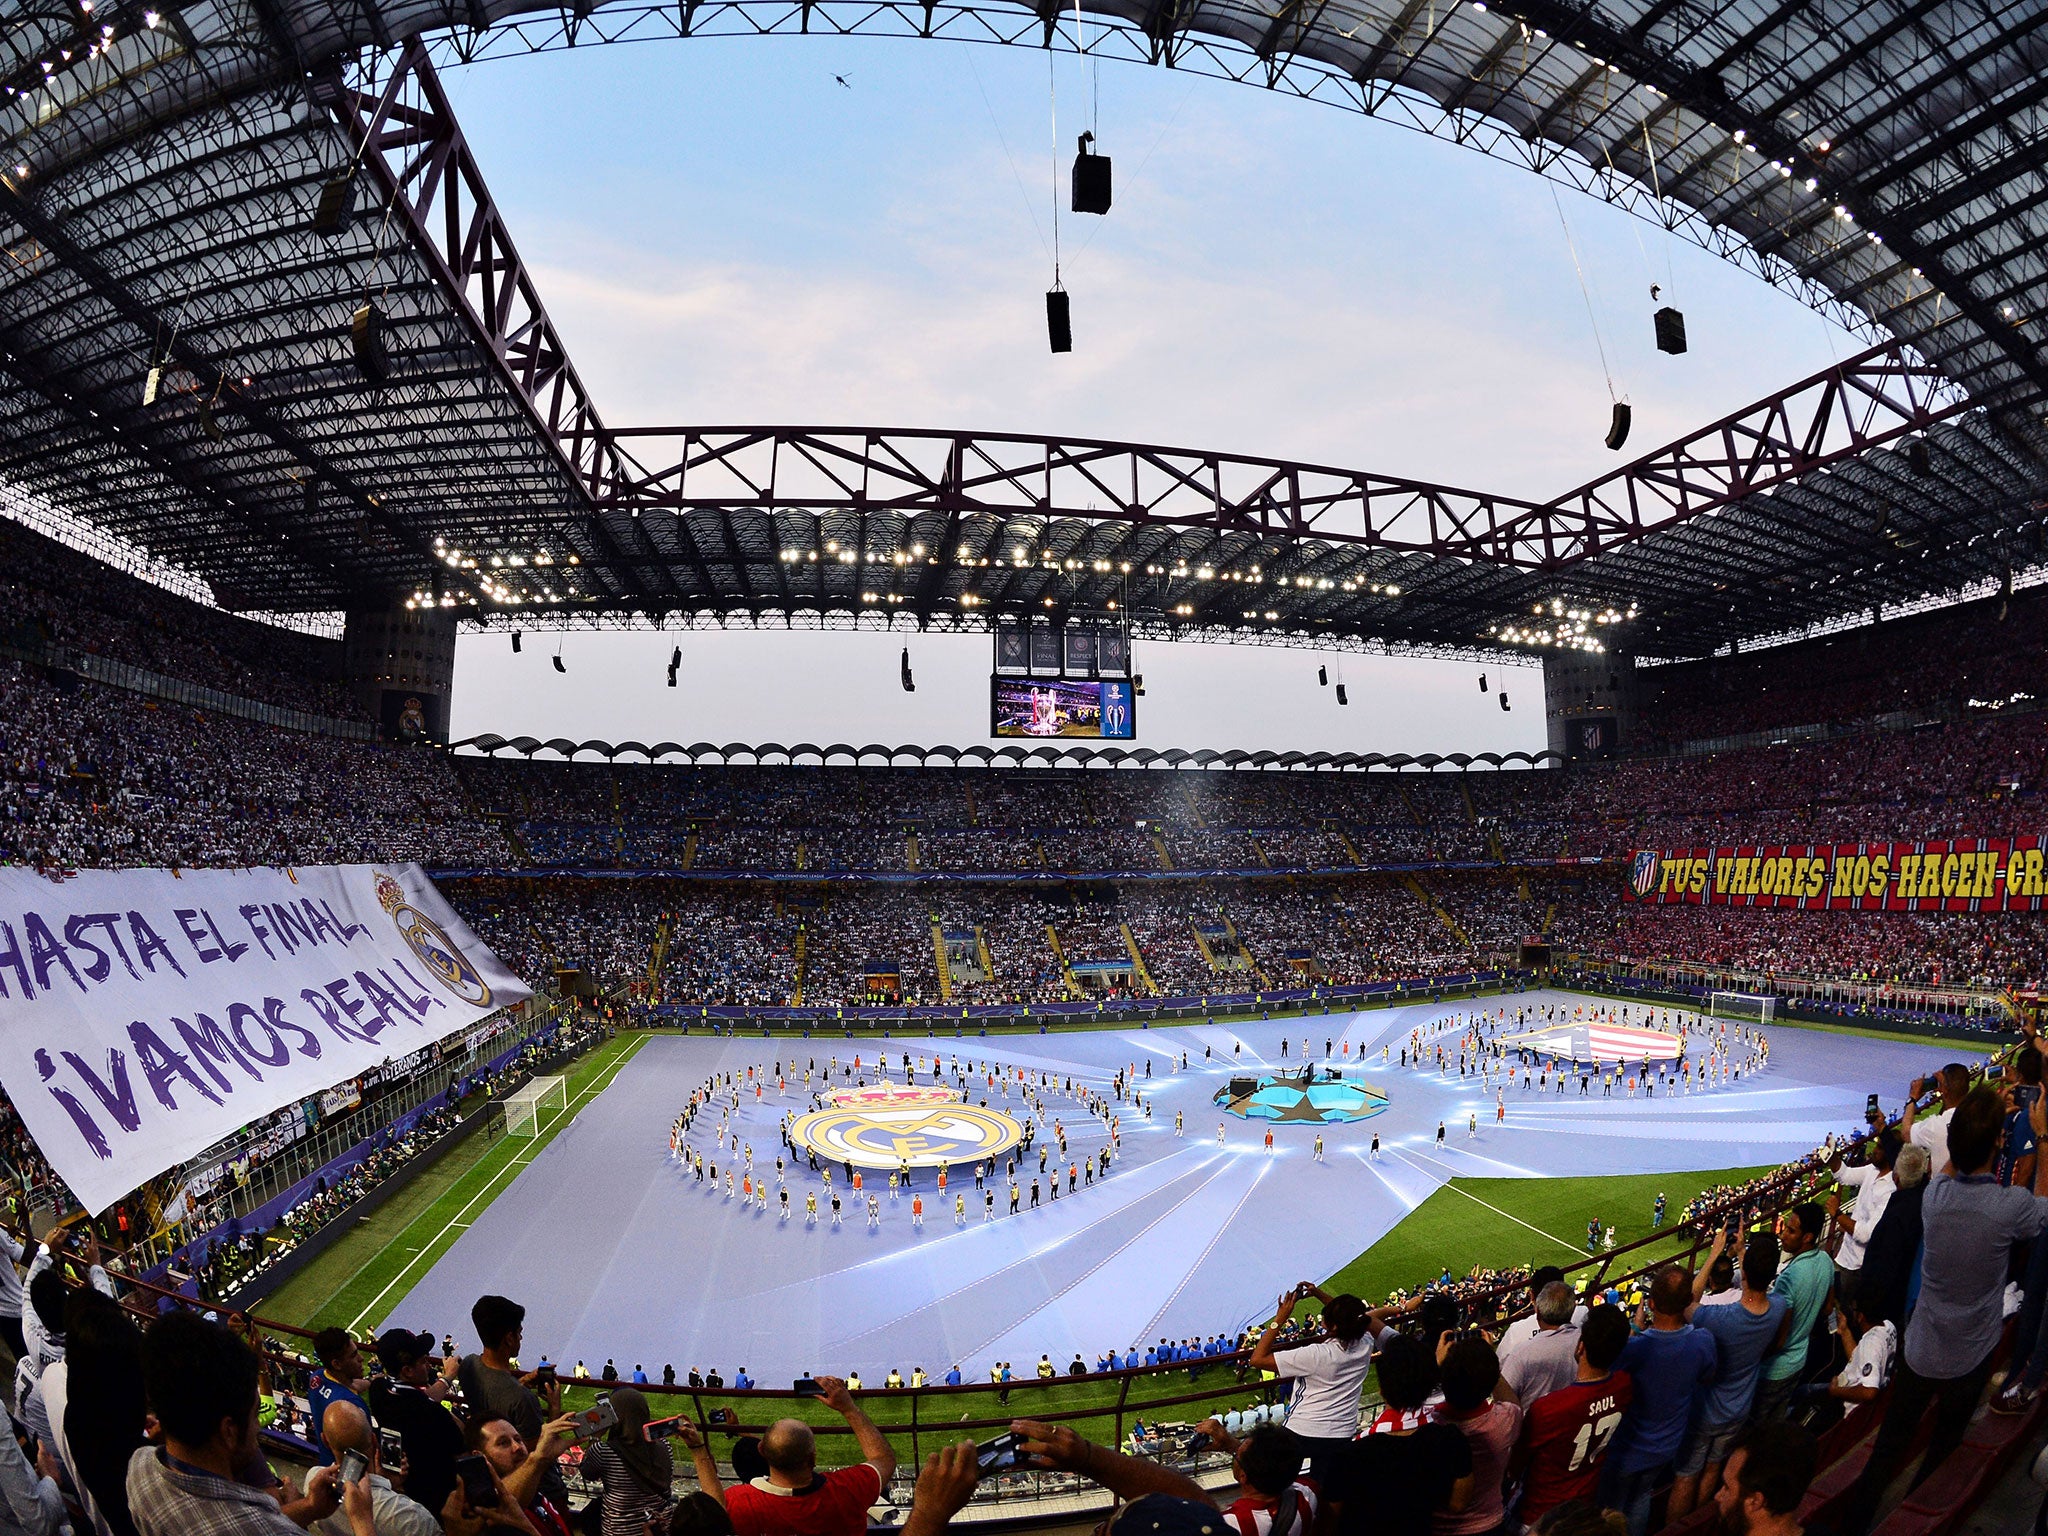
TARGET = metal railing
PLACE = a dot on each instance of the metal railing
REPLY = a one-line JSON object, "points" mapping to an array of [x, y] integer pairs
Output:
{"points": [[299, 1159]]}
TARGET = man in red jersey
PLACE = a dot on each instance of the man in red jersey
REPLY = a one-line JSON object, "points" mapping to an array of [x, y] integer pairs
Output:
{"points": [[1566, 1433], [795, 1499]]}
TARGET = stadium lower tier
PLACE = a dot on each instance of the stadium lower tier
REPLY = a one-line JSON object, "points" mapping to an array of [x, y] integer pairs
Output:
{"points": [[780, 945], [1097, 1194]]}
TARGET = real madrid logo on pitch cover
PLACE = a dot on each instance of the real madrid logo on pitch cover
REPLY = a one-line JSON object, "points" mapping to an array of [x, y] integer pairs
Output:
{"points": [[436, 951], [923, 1134]]}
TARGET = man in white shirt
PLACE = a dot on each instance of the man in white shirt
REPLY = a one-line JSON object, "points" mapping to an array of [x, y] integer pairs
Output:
{"points": [[1549, 1360], [1871, 1353], [1931, 1130], [1523, 1329], [345, 1427], [1874, 1187]]}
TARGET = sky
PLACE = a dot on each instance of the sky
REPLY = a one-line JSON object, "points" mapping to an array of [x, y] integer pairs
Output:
{"points": [[725, 235]]}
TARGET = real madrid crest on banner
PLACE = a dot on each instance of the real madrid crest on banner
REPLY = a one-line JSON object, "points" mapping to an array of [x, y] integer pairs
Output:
{"points": [[423, 936]]}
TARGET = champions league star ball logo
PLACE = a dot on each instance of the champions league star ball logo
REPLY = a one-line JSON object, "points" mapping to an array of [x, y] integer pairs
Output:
{"points": [[423, 936], [1644, 876], [925, 1135]]}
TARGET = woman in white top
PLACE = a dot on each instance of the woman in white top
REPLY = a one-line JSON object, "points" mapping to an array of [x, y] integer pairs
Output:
{"points": [[1328, 1376]]}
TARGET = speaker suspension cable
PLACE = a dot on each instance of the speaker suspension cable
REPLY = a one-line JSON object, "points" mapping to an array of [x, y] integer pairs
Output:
{"points": [[1657, 188], [1030, 203], [1620, 414], [1052, 91]]}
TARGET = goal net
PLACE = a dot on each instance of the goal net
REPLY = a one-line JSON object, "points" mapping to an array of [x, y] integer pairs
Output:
{"points": [[532, 1108], [1743, 1005]]}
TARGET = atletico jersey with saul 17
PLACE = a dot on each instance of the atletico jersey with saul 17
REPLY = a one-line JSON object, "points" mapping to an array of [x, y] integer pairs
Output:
{"points": [[1565, 1436]]}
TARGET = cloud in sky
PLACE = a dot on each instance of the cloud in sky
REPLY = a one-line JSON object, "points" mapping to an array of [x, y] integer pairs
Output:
{"points": [[725, 236]]}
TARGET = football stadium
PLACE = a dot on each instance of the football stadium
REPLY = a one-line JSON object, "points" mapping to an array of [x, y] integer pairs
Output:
{"points": [[1305, 1093]]}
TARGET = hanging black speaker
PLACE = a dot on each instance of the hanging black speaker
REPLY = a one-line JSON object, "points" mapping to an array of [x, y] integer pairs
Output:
{"points": [[1091, 179], [557, 660], [1482, 682], [1503, 701], [1617, 429], [515, 642], [366, 336], [1670, 330], [909, 683], [1322, 677], [336, 210], [1059, 328], [1918, 456], [1342, 696]]}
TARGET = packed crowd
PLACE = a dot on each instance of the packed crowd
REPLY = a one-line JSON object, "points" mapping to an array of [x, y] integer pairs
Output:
{"points": [[235, 1261], [1939, 663], [59, 596]]}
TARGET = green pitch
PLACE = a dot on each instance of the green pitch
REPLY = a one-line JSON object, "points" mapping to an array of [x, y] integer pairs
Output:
{"points": [[1504, 1223]]}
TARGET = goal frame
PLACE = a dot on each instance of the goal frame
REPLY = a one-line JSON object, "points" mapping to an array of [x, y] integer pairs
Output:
{"points": [[525, 1109], [1749, 1007]]}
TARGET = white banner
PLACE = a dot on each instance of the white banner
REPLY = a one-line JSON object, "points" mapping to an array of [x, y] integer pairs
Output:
{"points": [[147, 1013]]}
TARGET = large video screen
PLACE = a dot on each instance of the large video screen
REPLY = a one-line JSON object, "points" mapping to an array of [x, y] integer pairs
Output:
{"points": [[1104, 709]]}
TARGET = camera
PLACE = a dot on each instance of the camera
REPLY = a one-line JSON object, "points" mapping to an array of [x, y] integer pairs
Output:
{"points": [[998, 1455], [478, 1486], [596, 1421]]}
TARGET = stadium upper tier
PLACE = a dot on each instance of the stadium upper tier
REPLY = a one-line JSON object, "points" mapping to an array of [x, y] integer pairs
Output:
{"points": [[826, 885], [165, 164]]}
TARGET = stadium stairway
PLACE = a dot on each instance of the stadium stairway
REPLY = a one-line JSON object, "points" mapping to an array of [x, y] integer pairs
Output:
{"points": [[1414, 810], [1066, 971], [1159, 847], [1250, 959], [1442, 912], [657, 955], [1138, 958], [945, 966]]}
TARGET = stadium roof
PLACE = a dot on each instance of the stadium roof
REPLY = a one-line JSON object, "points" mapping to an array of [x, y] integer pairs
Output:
{"points": [[164, 162], [771, 752]]}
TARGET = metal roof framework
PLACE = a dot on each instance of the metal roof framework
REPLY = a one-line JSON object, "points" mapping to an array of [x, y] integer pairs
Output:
{"points": [[1883, 161]]}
